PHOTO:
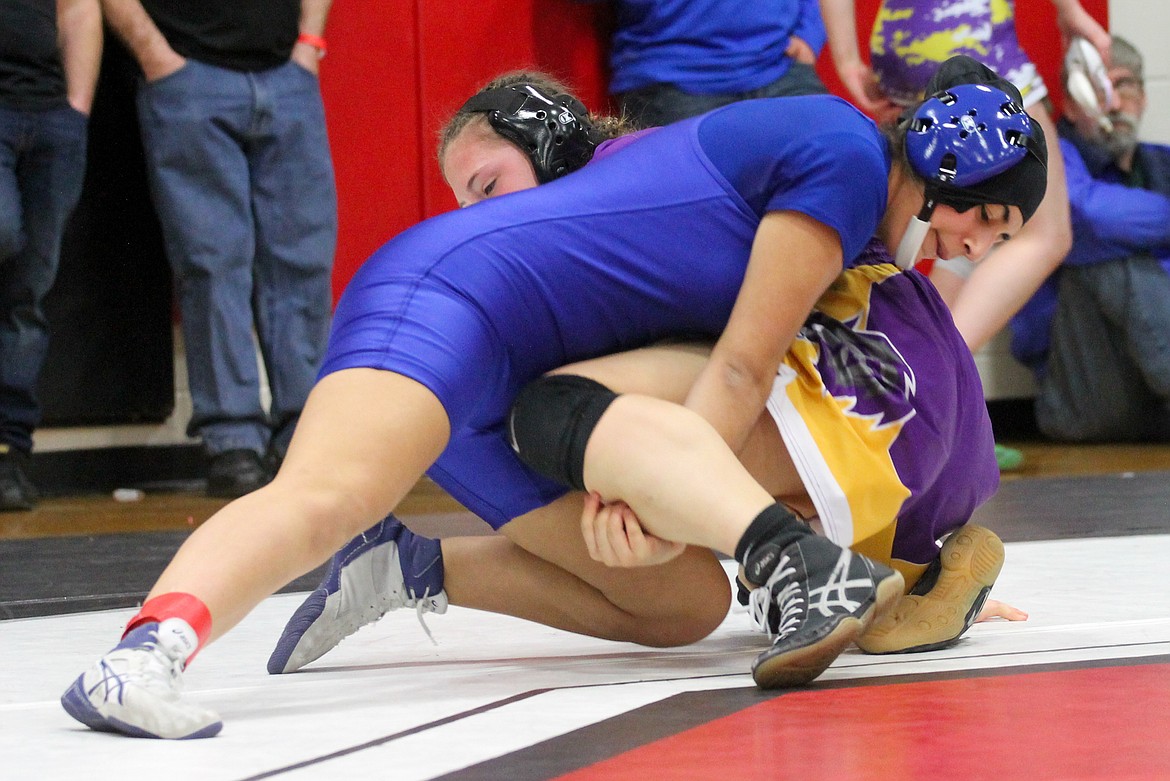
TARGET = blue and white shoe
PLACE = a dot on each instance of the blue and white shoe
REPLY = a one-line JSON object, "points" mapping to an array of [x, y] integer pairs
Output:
{"points": [[134, 690], [384, 568]]}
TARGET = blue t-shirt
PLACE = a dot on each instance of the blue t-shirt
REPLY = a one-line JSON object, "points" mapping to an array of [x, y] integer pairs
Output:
{"points": [[708, 47], [648, 242]]}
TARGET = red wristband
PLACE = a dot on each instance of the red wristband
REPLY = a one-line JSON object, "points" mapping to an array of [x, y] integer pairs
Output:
{"points": [[316, 41]]}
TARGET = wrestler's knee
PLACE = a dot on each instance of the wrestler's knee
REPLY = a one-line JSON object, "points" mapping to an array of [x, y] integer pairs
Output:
{"points": [[692, 603], [327, 515], [551, 422]]}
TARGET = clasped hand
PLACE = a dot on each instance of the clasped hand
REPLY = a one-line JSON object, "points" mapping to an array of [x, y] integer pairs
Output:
{"points": [[615, 537]]}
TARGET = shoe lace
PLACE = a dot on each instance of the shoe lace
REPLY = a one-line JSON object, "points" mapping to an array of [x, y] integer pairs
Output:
{"points": [[166, 659], [149, 666], [789, 600], [422, 605]]}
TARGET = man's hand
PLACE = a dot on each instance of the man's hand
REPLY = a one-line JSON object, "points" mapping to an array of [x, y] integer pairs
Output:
{"points": [[799, 50], [164, 62], [307, 57], [867, 94], [1073, 20]]}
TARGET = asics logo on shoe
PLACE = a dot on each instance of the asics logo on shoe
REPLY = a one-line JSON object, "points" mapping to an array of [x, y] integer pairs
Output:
{"points": [[112, 684], [177, 639], [833, 596], [758, 570]]}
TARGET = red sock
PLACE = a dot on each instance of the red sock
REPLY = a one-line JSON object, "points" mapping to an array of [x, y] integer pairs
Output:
{"points": [[176, 605]]}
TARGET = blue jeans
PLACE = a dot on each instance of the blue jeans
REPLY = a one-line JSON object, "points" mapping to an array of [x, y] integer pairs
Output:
{"points": [[1108, 373], [661, 104], [42, 167], [242, 180]]}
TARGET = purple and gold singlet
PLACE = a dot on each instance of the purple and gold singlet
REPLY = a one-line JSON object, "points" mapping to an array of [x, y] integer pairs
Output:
{"points": [[911, 38]]}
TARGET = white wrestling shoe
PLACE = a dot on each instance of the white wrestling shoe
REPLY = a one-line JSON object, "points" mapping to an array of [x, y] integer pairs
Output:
{"points": [[134, 690], [384, 568]]}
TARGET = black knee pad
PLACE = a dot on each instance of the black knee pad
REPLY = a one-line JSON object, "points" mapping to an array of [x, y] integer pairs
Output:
{"points": [[551, 422]]}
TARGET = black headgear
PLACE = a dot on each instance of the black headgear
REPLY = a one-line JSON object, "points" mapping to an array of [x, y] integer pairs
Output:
{"points": [[973, 143], [553, 130]]}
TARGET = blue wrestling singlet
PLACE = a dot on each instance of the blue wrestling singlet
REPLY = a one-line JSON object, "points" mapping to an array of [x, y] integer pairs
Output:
{"points": [[648, 242]]}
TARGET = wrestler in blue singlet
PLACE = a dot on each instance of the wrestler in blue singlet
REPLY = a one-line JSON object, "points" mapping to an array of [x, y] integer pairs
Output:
{"points": [[648, 242]]}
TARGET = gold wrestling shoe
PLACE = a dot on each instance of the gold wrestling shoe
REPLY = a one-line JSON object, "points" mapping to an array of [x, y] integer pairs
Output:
{"points": [[945, 601]]}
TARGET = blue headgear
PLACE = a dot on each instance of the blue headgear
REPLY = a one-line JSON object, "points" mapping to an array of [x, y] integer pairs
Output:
{"points": [[553, 130], [967, 134], [973, 143]]}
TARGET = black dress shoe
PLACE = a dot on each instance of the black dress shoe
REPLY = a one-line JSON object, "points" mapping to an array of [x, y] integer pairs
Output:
{"points": [[234, 473], [272, 462], [16, 491]]}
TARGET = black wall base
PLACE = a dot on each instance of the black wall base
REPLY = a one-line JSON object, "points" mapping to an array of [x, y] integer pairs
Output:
{"points": [[73, 472], [182, 467], [1014, 419]]}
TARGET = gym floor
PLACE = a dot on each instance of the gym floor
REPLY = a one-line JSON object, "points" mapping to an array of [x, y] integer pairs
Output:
{"points": [[1080, 690]]}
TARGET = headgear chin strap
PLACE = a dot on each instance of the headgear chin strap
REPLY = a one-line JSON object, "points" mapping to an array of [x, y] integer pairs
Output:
{"points": [[553, 130], [913, 237]]}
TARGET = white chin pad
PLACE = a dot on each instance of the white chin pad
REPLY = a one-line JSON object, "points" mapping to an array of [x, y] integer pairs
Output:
{"points": [[911, 242]]}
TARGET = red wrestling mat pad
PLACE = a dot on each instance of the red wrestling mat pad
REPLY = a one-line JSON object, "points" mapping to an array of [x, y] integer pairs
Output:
{"points": [[1098, 723]]}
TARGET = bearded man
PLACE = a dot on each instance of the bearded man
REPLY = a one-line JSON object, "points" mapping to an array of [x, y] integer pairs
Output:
{"points": [[1097, 335]]}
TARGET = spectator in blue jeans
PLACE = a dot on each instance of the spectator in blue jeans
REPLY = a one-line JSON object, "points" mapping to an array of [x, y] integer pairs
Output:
{"points": [[50, 53], [672, 59], [1097, 334], [234, 131]]}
